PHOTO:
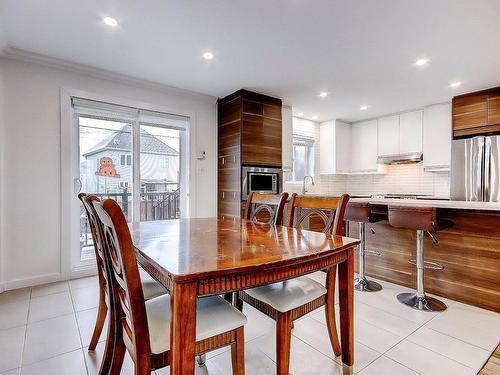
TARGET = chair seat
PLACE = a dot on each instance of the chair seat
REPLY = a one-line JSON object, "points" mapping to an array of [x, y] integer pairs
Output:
{"points": [[150, 287], [214, 316], [290, 294]]}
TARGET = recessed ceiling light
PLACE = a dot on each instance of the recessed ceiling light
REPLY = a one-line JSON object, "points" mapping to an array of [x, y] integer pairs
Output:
{"points": [[208, 55], [315, 117], [323, 94], [363, 107], [421, 62], [455, 84], [300, 114], [110, 21]]}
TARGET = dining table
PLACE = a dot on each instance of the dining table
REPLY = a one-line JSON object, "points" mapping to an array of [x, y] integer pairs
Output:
{"points": [[196, 257]]}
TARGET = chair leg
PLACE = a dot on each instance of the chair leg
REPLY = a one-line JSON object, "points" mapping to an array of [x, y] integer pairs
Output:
{"points": [[238, 353], [238, 302], [100, 320], [330, 310], [283, 341], [118, 353]]}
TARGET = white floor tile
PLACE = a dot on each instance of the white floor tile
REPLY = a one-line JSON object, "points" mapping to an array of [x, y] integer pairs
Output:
{"points": [[209, 368], [84, 282], [50, 306], [93, 360], [374, 337], [425, 361], [85, 298], [258, 324], [13, 314], [256, 362], [17, 371], [15, 295], [11, 348], [460, 351], [386, 366], [44, 290], [68, 364], [50, 338], [86, 322]]}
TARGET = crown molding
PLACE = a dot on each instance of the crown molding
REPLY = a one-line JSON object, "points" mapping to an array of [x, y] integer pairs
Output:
{"points": [[52, 62]]}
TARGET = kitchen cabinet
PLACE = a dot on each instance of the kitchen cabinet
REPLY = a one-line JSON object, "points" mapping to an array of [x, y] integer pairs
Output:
{"points": [[388, 135], [493, 105], [287, 139], [364, 146], [470, 114], [335, 147], [410, 132], [437, 137]]}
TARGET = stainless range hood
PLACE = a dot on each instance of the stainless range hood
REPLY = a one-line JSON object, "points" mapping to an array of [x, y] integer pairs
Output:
{"points": [[414, 157]]}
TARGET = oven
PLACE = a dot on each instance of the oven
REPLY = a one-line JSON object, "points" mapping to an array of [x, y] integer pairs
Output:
{"points": [[260, 180]]}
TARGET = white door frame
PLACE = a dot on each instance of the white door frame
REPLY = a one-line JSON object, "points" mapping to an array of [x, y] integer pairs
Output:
{"points": [[69, 139]]}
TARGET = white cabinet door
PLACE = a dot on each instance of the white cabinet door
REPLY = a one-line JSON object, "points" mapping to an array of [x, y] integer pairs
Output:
{"points": [[343, 136], [437, 137], [364, 146], [388, 135], [327, 147], [287, 138], [410, 132]]}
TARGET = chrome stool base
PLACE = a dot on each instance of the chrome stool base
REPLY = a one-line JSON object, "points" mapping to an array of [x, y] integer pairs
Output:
{"points": [[421, 303], [365, 285]]}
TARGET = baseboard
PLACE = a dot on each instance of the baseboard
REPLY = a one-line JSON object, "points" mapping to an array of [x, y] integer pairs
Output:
{"points": [[32, 281], [83, 271], [2, 288]]}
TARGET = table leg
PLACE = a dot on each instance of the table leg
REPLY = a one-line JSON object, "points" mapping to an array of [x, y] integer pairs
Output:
{"points": [[183, 329], [346, 293]]}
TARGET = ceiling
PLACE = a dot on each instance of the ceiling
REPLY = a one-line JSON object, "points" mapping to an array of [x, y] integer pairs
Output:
{"points": [[361, 52]]}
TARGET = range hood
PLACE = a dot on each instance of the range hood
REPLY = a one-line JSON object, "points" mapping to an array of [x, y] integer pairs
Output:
{"points": [[414, 157]]}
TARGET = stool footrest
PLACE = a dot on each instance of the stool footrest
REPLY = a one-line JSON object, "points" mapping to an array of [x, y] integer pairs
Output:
{"points": [[431, 265], [372, 253]]}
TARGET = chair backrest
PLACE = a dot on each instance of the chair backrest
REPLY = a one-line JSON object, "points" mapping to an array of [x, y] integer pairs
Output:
{"points": [[330, 210], [268, 206], [93, 221], [128, 295]]}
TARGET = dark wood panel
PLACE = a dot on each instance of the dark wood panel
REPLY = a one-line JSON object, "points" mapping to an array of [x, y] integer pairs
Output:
{"points": [[469, 112], [469, 251], [494, 109], [261, 140]]}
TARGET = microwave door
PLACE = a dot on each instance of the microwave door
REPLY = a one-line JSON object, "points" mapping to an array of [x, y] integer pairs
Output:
{"points": [[492, 169]]}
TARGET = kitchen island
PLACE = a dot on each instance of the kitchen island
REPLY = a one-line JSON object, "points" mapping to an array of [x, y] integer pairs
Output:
{"points": [[469, 250]]}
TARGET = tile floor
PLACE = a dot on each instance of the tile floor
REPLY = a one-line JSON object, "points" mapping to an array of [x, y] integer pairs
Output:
{"points": [[45, 330]]}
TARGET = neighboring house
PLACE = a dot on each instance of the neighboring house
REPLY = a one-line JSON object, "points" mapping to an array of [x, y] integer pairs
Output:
{"points": [[159, 164]]}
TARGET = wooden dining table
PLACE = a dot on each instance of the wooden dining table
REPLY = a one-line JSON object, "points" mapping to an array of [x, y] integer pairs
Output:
{"points": [[209, 256]]}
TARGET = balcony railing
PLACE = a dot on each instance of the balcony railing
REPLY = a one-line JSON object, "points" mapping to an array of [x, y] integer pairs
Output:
{"points": [[154, 206]]}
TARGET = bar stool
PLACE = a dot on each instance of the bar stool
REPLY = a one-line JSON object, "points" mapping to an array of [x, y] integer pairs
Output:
{"points": [[360, 212], [421, 219]]}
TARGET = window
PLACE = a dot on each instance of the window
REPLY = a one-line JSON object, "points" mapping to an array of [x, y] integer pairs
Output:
{"points": [[303, 159], [124, 184], [126, 160]]}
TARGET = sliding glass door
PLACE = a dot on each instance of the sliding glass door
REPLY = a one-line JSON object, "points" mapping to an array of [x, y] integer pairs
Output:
{"points": [[134, 156]]}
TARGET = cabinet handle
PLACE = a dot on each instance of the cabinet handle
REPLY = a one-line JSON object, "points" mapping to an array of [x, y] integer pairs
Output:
{"points": [[223, 195], [223, 161], [234, 195], [234, 159]]}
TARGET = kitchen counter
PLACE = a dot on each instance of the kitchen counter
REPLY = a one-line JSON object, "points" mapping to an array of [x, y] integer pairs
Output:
{"points": [[437, 203]]}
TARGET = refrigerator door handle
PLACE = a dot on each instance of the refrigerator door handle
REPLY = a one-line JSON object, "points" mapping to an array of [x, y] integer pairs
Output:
{"points": [[487, 170]]}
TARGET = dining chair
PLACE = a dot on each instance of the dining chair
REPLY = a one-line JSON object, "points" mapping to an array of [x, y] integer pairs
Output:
{"points": [[151, 287], [265, 208], [143, 327], [289, 300]]}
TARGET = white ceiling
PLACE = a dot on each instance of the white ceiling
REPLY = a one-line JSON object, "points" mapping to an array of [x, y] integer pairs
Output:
{"points": [[360, 52]]}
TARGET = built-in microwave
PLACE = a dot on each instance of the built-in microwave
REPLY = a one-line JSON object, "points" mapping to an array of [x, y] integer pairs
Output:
{"points": [[260, 180]]}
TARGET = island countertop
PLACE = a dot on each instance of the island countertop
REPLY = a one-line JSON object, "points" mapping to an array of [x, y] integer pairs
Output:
{"points": [[436, 203]]}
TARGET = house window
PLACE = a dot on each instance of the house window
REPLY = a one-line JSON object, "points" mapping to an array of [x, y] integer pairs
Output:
{"points": [[303, 159], [124, 184], [164, 163], [126, 160]]}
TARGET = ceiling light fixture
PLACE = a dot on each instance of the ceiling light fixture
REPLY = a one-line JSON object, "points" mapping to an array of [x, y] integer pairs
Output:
{"points": [[110, 21], [455, 84], [208, 55], [421, 62], [315, 117], [300, 114], [363, 107], [323, 94]]}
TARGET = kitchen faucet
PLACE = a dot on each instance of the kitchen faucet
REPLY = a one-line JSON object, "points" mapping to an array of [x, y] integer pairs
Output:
{"points": [[304, 191]]}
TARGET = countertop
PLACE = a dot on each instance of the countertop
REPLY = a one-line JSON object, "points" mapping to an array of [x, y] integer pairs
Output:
{"points": [[438, 203]]}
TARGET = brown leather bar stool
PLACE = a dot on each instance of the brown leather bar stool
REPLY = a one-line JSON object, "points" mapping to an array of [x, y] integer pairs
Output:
{"points": [[421, 219], [361, 213]]}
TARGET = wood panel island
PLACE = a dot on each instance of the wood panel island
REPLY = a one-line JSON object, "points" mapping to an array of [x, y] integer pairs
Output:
{"points": [[469, 250]]}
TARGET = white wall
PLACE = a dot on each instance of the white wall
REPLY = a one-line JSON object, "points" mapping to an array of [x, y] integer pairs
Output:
{"points": [[2, 147], [32, 166]]}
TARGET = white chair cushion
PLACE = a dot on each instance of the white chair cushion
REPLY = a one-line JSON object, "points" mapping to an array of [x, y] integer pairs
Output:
{"points": [[287, 295], [214, 316], [150, 287]]}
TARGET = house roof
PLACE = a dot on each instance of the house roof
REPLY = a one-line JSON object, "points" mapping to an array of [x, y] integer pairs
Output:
{"points": [[122, 140]]}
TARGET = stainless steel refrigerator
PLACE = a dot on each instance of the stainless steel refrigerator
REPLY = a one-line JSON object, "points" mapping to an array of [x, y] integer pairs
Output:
{"points": [[475, 169]]}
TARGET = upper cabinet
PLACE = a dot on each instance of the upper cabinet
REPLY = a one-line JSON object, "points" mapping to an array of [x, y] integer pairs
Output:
{"points": [[388, 135], [335, 147], [437, 137], [287, 138], [410, 132], [364, 150], [477, 113]]}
